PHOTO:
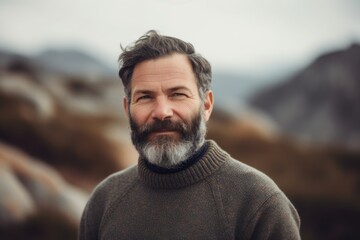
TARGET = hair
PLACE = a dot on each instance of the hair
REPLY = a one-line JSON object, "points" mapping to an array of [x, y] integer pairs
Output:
{"points": [[152, 46]]}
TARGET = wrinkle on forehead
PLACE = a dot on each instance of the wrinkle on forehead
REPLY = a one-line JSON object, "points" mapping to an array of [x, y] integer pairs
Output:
{"points": [[164, 75], [167, 67]]}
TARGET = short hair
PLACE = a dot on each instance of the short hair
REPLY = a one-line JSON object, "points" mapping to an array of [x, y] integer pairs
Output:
{"points": [[152, 46]]}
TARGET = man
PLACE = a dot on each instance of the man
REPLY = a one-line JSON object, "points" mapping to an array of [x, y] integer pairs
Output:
{"points": [[183, 186]]}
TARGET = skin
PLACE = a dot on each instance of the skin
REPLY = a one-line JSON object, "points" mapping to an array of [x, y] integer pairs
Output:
{"points": [[165, 88]]}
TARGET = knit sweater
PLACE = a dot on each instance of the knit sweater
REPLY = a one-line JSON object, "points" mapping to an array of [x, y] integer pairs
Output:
{"points": [[215, 198]]}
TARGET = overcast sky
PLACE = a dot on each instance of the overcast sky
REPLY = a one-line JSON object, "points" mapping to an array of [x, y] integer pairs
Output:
{"points": [[237, 35]]}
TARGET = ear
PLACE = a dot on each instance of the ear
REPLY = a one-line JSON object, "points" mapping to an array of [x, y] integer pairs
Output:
{"points": [[208, 104], [126, 105]]}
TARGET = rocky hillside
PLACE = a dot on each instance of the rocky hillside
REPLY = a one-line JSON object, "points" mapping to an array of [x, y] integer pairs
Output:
{"points": [[320, 103], [32, 191], [69, 122], [60, 135]]}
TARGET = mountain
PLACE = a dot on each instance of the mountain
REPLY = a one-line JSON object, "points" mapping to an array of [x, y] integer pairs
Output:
{"points": [[69, 62], [231, 90], [230, 86], [319, 103], [74, 62]]}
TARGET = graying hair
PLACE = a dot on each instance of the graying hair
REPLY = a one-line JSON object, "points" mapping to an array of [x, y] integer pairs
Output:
{"points": [[152, 46]]}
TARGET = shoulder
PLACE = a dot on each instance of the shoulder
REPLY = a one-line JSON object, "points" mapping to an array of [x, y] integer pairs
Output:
{"points": [[246, 179], [110, 190], [120, 178], [102, 200], [115, 184], [237, 177], [252, 199]]}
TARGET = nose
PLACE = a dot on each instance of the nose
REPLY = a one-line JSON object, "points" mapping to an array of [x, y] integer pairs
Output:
{"points": [[162, 110]]}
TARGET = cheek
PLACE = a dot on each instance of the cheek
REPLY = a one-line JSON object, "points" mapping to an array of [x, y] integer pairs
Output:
{"points": [[139, 115], [188, 111]]}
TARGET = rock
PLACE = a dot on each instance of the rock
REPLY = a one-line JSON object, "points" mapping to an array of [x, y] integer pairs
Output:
{"points": [[35, 96], [16, 204], [31, 187]]}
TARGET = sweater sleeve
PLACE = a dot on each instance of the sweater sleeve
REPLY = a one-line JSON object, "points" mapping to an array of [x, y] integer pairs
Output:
{"points": [[88, 227], [276, 219], [108, 192], [94, 211]]}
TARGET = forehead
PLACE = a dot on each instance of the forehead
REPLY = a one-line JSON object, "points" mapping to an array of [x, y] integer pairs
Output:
{"points": [[175, 68]]}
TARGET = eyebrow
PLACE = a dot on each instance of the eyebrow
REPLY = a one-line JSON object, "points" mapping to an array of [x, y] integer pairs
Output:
{"points": [[142, 92], [173, 89]]}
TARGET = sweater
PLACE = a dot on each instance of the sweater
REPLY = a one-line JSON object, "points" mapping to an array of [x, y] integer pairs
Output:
{"points": [[217, 197]]}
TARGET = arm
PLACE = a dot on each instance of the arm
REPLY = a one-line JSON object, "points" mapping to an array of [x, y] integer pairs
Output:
{"points": [[276, 219], [88, 228]]}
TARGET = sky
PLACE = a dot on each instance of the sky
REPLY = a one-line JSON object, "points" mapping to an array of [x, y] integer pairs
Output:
{"points": [[248, 36]]}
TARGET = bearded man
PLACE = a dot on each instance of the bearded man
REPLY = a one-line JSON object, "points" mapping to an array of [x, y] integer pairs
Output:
{"points": [[184, 187]]}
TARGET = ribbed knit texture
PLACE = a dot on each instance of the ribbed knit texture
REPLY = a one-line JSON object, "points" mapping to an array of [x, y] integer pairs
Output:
{"points": [[215, 198]]}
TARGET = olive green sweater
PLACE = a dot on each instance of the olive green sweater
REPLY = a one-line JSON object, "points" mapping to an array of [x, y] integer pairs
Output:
{"points": [[217, 197]]}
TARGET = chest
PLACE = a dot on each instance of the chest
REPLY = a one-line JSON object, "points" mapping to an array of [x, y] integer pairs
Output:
{"points": [[144, 213]]}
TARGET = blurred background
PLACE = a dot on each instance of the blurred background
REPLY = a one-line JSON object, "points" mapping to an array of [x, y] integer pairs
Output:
{"points": [[286, 78]]}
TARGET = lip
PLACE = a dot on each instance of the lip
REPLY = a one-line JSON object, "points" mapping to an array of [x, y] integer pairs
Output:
{"points": [[163, 133]]}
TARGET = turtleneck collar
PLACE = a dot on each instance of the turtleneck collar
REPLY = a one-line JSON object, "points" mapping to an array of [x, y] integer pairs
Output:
{"points": [[206, 161], [185, 164]]}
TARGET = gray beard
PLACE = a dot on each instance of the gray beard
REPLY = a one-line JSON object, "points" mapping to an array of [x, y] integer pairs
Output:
{"points": [[167, 152]]}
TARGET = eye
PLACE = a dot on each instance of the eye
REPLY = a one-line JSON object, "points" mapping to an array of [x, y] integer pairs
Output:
{"points": [[143, 98], [178, 95]]}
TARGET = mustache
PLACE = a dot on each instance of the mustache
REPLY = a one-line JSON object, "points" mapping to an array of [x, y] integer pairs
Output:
{"points": [[162, 126]]}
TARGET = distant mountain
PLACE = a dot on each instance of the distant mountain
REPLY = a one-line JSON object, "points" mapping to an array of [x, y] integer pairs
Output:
{"points": [[231, 90], [5, 56], [62, 62], [73, 62], [15, 62], [234, 85], [321, 102]]}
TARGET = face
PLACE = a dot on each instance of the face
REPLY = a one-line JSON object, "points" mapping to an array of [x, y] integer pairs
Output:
{"points": [[167, 115]]}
